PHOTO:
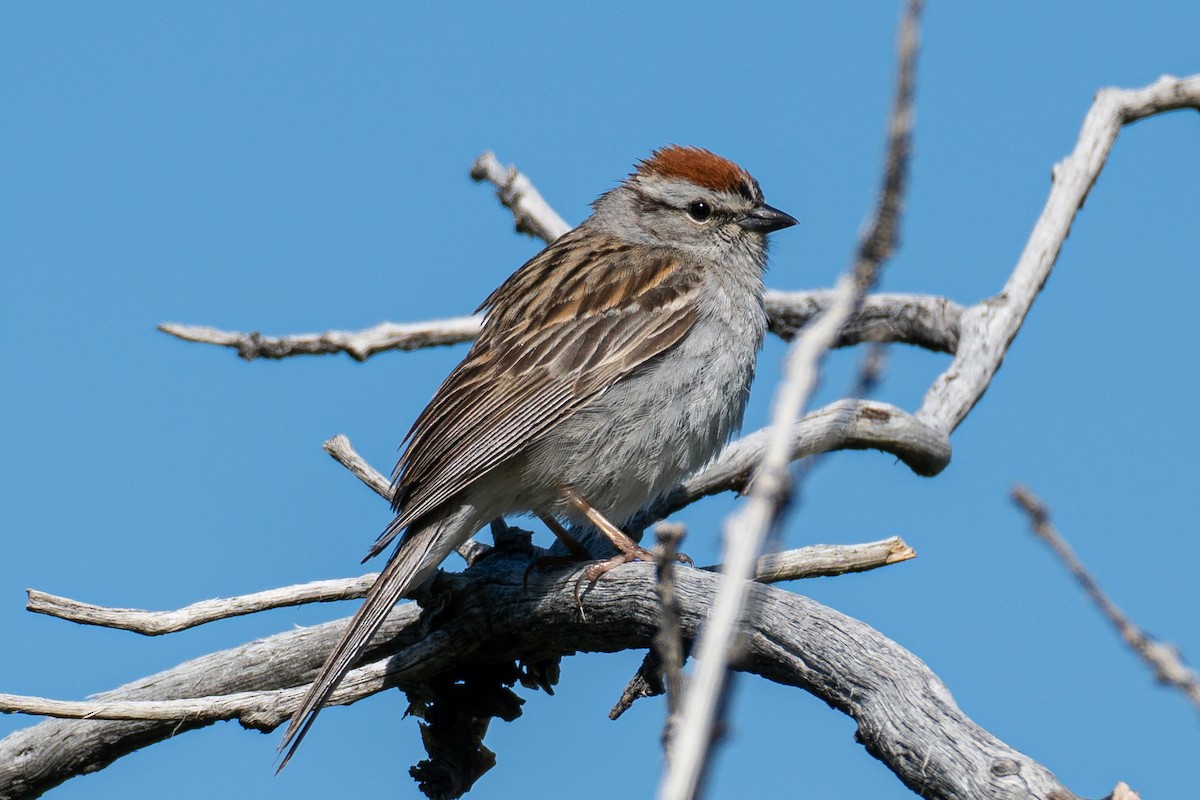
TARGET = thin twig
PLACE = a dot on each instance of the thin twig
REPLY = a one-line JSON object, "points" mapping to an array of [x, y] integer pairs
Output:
{"points": [[870, 371], [828, 560], [661, 671], [1163, 658], [804, 562], [531, 213], [359, 345], [747, 529], [341, 451], [156, 623], [668, 643]]}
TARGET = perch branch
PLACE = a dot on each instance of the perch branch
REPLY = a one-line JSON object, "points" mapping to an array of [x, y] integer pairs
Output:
{"points": [[906, 717], [1164, 659]]}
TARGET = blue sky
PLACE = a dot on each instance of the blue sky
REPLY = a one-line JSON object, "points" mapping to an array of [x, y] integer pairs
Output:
{"points": [[297, 167]]}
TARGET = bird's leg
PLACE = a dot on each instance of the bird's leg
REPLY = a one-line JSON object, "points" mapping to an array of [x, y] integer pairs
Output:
{"points": [[621, 541], [577, 550], [627, 549]]}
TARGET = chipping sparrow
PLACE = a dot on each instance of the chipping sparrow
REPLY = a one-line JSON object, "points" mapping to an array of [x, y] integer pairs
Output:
{"points": [[609, 367]]}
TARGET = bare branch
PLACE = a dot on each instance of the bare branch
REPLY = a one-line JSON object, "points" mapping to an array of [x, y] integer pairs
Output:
{"points": [[359, 345], [1164, 659], [844, 425], [827, 560], [156, 623], [922, 320], [805, 562], [340, 449], [813, 561], [905, 715], [988, 329], [746, 530], [531, 213], [926, 321], [207, 709]]}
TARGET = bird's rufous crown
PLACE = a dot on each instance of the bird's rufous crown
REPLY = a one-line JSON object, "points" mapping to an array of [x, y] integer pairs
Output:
{"points": [[699, 166]]}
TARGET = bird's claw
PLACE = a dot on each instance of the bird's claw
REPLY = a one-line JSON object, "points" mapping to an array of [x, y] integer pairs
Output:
{"points": [[592, 572]]}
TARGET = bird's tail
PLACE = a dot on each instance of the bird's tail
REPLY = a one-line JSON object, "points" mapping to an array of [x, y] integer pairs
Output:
{"points": [[419, 553]]}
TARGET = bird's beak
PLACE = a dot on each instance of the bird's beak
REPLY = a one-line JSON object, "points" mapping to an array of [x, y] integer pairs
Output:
{"points": [[764, 219]]}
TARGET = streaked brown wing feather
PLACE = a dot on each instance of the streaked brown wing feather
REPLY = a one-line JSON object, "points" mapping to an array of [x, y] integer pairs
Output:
{"points": [[520, 406], [523, 375]]}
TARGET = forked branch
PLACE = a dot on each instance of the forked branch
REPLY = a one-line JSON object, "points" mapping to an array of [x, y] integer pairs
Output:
{"points": [[905, 714]]}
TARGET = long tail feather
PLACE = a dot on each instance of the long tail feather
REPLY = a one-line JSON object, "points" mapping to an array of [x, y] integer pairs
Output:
{"points": [[385, 538], [415, 558]]}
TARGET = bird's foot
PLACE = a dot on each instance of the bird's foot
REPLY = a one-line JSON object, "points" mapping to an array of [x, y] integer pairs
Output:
{"points": [[632, 552]]}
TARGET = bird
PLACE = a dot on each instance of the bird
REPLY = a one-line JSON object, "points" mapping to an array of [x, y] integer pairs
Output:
{"points": [[610, 366]]}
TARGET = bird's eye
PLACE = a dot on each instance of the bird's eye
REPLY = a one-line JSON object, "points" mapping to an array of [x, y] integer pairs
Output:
{"points": [[699, 210]]}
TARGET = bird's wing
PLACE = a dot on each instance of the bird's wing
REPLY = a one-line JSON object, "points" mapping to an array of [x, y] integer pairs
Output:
{"points": [[558, 335]]}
